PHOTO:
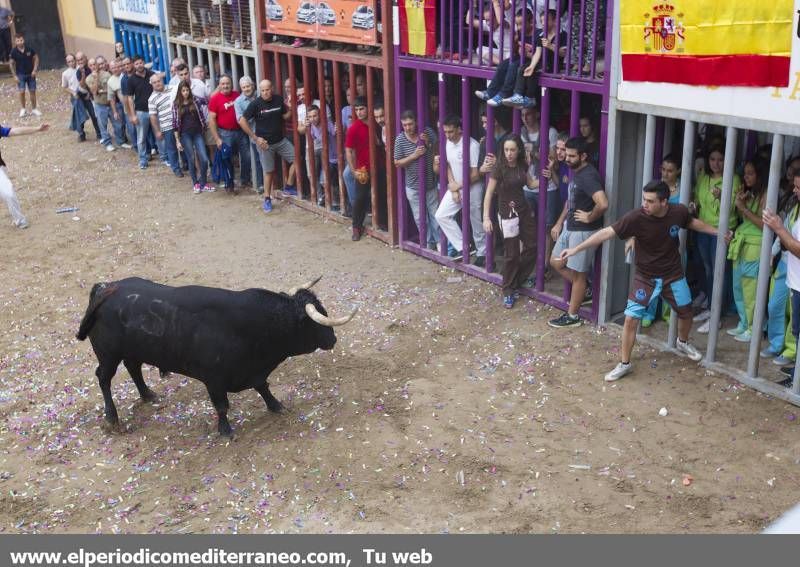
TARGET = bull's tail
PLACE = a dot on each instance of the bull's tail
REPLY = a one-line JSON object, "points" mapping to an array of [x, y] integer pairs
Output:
{"points": [[100, 292]]}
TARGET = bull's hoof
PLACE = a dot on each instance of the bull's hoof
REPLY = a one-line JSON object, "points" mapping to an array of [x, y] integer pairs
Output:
{"points": [[225, 430], [151, 397], [112, 425], [275, 406]]}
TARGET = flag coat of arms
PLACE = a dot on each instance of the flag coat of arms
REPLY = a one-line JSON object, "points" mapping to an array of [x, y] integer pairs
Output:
{"points": [[417, 27], [707, 42]]}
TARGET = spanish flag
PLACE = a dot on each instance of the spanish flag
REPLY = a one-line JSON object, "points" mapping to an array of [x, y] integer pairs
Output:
{"points": [[417, 27], [707, 42]]}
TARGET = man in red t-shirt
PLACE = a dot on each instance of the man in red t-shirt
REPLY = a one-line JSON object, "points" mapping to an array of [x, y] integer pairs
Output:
{"points": [[357, 147], [225, 128]]}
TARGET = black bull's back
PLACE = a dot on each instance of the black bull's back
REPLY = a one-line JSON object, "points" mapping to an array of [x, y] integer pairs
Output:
{"points": [[229, 340]]}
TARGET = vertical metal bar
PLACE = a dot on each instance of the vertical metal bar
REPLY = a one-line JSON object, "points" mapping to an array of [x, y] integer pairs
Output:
{"points": [[582, 28], [323, 120], [373, 158], [658, 153], [595, 31], [721, 253], [669, 137], [559, 14], [212, 70], [248, 70], [298, 175], [490, 149], [235, 70], [443, 143], [480, 33], [765, 259], [340, 134], [310, 157], [402, 207], [442, 36], [470, 34], [422, 114], [541, 214], [466, 200], [687, 162], [649, 141], [389, 63], [574, 130]]}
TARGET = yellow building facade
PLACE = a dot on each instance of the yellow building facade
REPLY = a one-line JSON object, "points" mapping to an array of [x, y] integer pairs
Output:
{"points": [[80, 28]]}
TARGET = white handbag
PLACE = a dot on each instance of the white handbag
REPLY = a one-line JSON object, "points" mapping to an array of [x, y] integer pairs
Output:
{"points": [[510, 226]]}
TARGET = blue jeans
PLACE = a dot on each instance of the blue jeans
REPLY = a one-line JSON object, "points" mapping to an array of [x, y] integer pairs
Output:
{"points": [[26, 80], [119, 125], [350, 184], [142, 131], [130, 132], [504, 78], [168, 149], [102, 111], [776, 309], [195, 144], [707, 247], [431, 205], [238, 142], [259, 170]]}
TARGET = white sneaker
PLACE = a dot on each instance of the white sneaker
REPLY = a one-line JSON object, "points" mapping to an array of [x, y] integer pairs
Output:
{"points": [[22, 112], [110, 148], [36, 112], [767, 353], [126, 146], [736, 331], [687, 349], [620, 370], [702, 316], [782, 360], [743, 337], [705, 327]]}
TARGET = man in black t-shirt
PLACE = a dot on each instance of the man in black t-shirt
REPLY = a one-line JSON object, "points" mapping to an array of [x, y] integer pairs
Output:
{"points": [[656, 228], [140, 89], [581, 217], [269, 113], [24, 64]]}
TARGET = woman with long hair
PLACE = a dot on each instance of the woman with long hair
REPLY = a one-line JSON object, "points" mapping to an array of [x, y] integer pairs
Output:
{"points": [[189, 120], [707, 202], [507, 179], [745, 248]]}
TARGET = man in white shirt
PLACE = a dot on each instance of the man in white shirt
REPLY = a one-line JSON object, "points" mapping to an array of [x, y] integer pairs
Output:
{"points": [[199, 89], [452, 200]]}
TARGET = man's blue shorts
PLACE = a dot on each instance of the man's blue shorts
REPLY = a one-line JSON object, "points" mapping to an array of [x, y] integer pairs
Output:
{"points": [[26, 81]]}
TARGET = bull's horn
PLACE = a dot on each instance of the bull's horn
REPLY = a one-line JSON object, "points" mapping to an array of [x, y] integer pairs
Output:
{"points": [[306, 285], [318, 317]]}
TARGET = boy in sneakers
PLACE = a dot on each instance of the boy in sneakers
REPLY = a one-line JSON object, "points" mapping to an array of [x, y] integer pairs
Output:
{"points": [[659, 271]]}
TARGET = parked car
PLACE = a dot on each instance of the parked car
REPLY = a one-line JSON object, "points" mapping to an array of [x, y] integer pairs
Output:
{"points": [[307, 13], [364, 18], [274, 11], [326, 16]]}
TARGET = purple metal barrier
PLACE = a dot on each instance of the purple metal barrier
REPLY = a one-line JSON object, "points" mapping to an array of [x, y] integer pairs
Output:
{"points": [[464, 57]]}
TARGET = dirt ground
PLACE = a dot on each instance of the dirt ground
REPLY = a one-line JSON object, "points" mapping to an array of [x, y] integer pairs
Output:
{"points": [[437, 411]]}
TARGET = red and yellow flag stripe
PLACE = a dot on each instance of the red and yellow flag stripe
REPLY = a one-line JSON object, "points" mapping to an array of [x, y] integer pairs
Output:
{"points": [[707, 42], [417, 27]]}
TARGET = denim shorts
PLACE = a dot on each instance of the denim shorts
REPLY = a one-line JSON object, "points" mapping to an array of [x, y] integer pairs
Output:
{"points": [[26, 80]]}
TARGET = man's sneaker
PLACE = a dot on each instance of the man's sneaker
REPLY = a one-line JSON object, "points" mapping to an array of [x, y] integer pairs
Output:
{"points": [[786, 382], [703, 316], [142, 166], [736, 331], [767, 353], [483, 95], [208, 188], [22, 224], [126, 146], [153, 151], [508, 301], [514, 100], [110, 148], [197, 189], [290, 190], [36, 112], [22, 112], [782, 360], [687, 349], [788, 371], [587, 297], [480, 261], [177, 172], [356, 236], [566, 320], [620, 370], [267, 206], [495, 100], [743, 337]]}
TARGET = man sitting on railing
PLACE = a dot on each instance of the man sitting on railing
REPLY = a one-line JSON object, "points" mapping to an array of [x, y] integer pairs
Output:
{"points": [[505, 78]]}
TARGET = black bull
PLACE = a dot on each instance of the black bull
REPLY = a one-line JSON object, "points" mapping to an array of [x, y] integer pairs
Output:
{"points": [[229, 340]]}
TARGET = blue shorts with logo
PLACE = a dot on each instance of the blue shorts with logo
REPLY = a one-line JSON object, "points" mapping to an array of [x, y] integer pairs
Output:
{"points": [[646, 291]]}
